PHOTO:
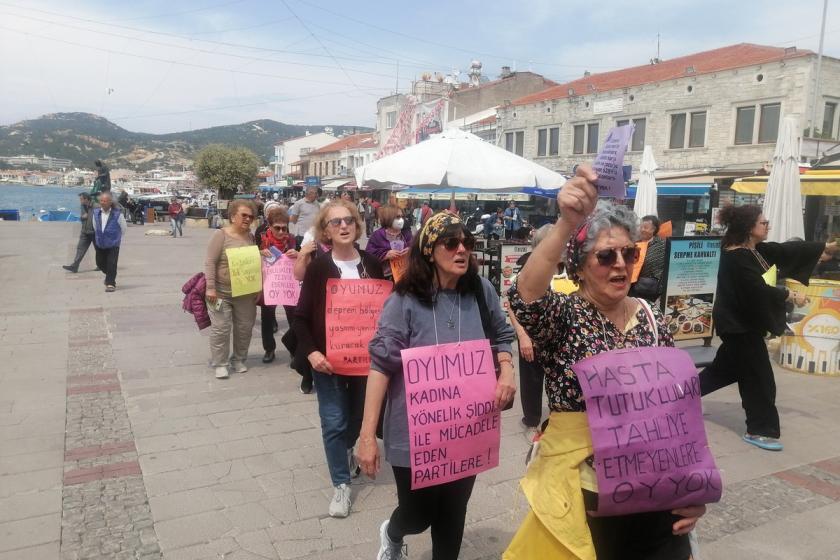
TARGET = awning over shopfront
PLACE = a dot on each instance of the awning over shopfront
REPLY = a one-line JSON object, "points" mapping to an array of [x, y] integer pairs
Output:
{"points": [[675, 189], [814, 182], [445, 193], [335, 185]]}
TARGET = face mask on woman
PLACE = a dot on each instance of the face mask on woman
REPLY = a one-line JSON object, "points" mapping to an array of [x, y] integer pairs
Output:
{"points": [[398, 223]]}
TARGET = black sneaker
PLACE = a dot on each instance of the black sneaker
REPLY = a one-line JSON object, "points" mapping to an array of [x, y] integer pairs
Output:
{"points": [[306, 385], [69, 268], [268, 357]]}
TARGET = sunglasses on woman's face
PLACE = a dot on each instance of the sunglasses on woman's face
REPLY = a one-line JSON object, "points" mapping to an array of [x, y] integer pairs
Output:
{"points": [[246, 216], [452, 243], [280, 228], [336, 222], [608, 257]]}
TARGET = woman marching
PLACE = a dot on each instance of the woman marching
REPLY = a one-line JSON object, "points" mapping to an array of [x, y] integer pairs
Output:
{"points": [[440, 300], [561, 484], [392, 240], [746, 308], [340, 397]]}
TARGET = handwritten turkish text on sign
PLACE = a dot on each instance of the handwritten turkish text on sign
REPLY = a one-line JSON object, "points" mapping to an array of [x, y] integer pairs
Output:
{"points": [[353, 309], [279, 284], [245, 268], [399, 267], [454, 427], [609, 162], [651, 452]]}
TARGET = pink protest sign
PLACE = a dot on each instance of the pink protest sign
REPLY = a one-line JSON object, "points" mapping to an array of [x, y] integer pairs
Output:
{"points": [[352, 311], [453, 423], [651, 452], [279, 284], [609, 162]]}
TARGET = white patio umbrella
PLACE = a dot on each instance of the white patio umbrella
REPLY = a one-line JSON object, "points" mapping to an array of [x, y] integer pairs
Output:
{"points": [[783, 200], [456, 158], [645, 203]]}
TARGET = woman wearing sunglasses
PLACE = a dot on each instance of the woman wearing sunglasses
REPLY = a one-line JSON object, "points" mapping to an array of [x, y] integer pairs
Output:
{"points": [[746, 308], [228, 314], [274, 233], [436, 302], [340, 397], [598, 246]]}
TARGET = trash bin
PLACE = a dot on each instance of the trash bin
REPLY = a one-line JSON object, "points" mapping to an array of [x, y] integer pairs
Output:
{"points": [[150, 215]]}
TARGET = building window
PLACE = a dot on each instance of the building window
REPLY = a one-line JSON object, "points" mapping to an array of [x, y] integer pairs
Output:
{"points": [[515, 142], [592, 138], [580, 134], [744, 123], [768, 126], [637, 141], [694, 135], [542, 142], [390, 119], [697, 134], [828, 119], [548, 141]]}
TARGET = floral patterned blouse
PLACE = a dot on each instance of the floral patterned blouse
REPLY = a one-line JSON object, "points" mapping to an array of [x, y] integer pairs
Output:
{"points": [[566, 329]]}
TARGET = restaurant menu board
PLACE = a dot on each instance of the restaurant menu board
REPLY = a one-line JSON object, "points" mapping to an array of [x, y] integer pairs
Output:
{"points": [[691, 269], [509, 255]]}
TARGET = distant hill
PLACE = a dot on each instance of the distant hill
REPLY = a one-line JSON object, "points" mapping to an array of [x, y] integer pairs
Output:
{"points": [[83, 137]]}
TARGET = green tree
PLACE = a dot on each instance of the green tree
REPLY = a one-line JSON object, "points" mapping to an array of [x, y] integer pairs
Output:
{"points": [[224, 168]]}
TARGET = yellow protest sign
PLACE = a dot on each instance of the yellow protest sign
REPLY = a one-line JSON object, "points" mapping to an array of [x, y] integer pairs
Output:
{"points": [[770, 276], [245, 270]]}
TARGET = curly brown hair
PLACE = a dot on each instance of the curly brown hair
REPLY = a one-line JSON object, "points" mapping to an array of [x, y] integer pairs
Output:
{"points": [[739, 222]]}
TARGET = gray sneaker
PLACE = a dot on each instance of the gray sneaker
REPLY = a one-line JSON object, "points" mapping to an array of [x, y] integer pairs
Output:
{"points": [[222, 372], [388, 549], [340, 504], [238, 367]]}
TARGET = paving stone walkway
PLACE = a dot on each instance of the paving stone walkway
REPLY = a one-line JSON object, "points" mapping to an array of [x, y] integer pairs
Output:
{"points": [[117, 442]]}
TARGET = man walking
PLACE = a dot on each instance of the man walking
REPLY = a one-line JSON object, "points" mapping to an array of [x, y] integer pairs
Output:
{"points": [[513, 220], [176, 217], [86, 235], [109, 227], [303, 213]]}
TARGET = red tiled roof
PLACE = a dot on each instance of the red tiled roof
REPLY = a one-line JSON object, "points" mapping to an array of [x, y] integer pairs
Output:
{"points": [[348, 143], [724, 58], [487, 120], [465, 86]]}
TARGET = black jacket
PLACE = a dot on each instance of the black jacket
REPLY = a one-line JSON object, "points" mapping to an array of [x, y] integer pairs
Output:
{"points": [[744, 302], [310, 313]]}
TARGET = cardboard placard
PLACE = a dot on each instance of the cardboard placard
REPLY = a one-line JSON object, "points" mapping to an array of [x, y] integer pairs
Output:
{"points": [[454, 426], [279, 284], [245, 265], [399, 267], [637, 266], [352, 311], [609, 162], [651, 450]]}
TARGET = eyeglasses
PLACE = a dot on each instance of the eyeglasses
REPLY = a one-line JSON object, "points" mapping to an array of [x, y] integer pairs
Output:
{"points": [[280, 228], [765, 222], [452, 243], [246, 216], [336, 222], [608, 257]]}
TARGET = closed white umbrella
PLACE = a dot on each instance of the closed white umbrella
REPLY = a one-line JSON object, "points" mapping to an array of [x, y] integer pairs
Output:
{"points": [[645, 203], [456, 158], [783, 201]]}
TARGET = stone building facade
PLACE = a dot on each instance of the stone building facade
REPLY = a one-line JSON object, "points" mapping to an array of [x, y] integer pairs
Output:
{"points": [[714, 110]]}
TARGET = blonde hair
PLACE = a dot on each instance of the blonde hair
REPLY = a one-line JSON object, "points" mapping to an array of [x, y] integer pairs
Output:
{"points": [[321, 222], [235, 204], [387, 215]]}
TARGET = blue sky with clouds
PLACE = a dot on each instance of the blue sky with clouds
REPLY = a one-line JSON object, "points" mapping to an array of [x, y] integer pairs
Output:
{"points": [[158, 66]]}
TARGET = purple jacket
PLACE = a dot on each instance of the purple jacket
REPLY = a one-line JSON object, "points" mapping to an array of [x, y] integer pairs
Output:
{"points": [[194, 301], [378, 244]]}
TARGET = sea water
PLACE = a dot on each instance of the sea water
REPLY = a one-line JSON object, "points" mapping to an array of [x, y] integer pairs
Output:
{"points": [[31, 200]]}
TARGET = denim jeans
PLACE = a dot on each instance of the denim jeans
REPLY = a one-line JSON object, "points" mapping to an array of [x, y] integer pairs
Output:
{"points": [[341, 405]]}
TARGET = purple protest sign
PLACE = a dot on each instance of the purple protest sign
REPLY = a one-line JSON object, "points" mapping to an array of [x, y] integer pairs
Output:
{"points": [[454, 427], [610, 160], [651, 451], [279, 284]]}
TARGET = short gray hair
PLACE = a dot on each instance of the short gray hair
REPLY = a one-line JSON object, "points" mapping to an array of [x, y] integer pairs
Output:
{"points": [[540, 234], [608, 215]]}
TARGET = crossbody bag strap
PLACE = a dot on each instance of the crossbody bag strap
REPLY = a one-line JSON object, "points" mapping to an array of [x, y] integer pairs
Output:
{"points": [[651, 319]]}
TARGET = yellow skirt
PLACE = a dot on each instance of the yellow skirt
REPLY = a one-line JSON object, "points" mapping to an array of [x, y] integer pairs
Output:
{"points": [[556, 528]]}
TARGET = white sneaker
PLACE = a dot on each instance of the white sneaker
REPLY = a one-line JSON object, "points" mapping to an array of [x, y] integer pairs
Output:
{"points": [[222, 372], [239, 367], [388, 549], [355, 469], [340, 504]]}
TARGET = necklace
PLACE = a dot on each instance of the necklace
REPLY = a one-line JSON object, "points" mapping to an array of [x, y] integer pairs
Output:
{"points": [[450, 322], [620, 329]]}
